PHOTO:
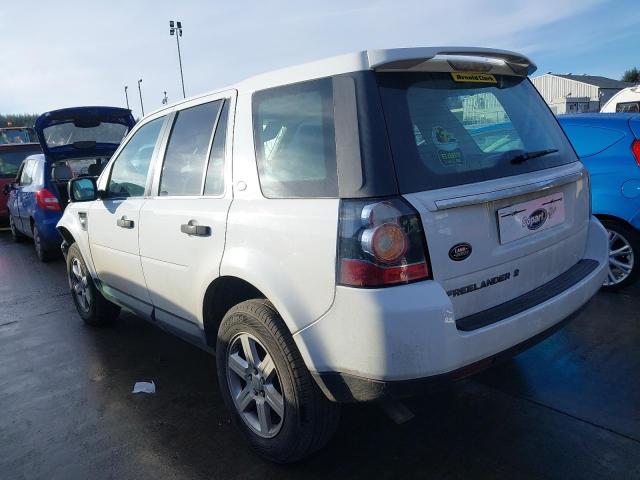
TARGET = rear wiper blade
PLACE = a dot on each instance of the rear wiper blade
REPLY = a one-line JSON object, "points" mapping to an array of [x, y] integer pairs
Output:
{"points": [[523, 157]]}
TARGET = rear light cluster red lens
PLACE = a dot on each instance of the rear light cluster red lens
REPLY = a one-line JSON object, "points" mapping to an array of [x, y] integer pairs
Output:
{"points": [[635, 148], [380, 243], [47, 200]]}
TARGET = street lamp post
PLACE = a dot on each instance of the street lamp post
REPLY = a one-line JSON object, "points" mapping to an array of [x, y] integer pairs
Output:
{"points": [[126, 96], [175, 28], [140, 92], [165, 100]]}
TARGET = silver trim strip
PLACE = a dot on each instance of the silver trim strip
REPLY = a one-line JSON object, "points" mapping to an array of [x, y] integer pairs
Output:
{"points": [[508, 192]]}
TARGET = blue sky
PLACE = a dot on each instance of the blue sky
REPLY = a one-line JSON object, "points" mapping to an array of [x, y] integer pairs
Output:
{"points": [[68, 53]]}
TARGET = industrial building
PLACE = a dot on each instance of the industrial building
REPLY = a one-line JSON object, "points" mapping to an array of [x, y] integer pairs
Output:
{"points": [[569, 93]]}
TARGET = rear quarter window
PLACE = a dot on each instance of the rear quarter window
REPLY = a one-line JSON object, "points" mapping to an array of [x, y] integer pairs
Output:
{"points": [[294, 135], [589, 140]]}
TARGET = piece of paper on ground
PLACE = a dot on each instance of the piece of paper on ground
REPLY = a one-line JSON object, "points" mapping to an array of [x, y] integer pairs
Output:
{"points": [[144, 387]]}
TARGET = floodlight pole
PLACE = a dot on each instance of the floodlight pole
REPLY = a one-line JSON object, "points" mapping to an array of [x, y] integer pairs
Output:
{"points": [[177, 30], [126, 96], [140, 92]]}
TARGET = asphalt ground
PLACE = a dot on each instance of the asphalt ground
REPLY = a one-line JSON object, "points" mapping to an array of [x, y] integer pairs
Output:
{"points": [[568, 408]]}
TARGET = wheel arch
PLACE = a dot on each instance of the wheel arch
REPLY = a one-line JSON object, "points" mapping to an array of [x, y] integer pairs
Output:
{"points": [[66, 235], [221, 295], [614, 218]]}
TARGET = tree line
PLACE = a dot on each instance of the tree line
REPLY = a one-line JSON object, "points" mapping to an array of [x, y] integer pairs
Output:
{"points": [[18, 119], [632, 75]]}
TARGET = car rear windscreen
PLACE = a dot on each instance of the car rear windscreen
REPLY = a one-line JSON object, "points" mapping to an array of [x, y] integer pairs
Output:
{"points": [[447, 132], [67, 134], [10, 161], [17, 135]]}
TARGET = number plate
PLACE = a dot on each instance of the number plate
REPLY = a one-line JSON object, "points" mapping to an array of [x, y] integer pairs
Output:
{"points": [[524, 219]]}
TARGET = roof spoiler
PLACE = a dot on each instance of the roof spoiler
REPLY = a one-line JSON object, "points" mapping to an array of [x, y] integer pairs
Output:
{"points": [[418, 58]]}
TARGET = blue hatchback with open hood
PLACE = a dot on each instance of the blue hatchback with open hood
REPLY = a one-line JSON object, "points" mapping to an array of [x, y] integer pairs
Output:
{"points": [[75, 142]]}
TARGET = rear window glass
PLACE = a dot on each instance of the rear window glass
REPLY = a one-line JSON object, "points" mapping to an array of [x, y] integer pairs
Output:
{"points": [[10, 161], [628, 107], [68, 134], [295, 140], [18, 135], [589, 140], [445, 133]]}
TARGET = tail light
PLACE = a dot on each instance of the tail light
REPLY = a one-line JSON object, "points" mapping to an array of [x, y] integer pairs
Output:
{"points": [[47, 200], [635, 149], [380, 243]]}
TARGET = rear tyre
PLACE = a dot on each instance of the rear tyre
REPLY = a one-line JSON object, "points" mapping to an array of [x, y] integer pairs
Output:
{"points": [[265, 383], [624, 255], [92, 307], [42, 253], [16, 236]]}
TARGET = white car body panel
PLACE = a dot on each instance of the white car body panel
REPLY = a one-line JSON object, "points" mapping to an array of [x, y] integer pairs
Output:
{"points": [[114, 250], [409, 332], [477, 225], [174, 262]]}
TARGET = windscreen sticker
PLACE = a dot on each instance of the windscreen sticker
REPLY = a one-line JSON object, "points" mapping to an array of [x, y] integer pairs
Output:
{"points": [[447, 145], [472, 77]]}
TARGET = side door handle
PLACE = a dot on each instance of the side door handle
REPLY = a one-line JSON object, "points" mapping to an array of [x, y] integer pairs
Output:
{"points": [[192, 228], [124, 222]]}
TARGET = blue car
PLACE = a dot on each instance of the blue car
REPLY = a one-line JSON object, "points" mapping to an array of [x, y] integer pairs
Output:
{"points": [[75, 142], [609, 146]]}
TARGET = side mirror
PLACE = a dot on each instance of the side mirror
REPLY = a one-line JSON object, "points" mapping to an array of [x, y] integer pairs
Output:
{"points": [[83, 189], [7, 188]]}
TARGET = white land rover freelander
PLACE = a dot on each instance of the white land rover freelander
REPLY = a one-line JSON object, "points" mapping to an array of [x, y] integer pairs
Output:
{"points": [[351, 229]]}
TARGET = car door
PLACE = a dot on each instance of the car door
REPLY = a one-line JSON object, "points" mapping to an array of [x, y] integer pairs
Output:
{"points": [[23, 194], [13, 198], [113, 219], [182, 225]]}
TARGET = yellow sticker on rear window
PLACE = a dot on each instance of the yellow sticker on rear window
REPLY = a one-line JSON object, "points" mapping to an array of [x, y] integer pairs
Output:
{"points": [[473, 77]]}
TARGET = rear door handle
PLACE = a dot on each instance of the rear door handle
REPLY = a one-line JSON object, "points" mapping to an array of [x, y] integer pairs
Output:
{"points": [[192, 228], [125, 223]]}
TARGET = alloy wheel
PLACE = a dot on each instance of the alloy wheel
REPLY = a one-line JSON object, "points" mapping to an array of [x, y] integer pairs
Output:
{"points": [[621, 259], [255, 385], [80, 285]]}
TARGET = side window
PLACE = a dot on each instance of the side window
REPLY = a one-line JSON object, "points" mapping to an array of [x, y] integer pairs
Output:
{"points": [[26, 176], [129, 172], [214, 183], [293, 129], [187, 150]]}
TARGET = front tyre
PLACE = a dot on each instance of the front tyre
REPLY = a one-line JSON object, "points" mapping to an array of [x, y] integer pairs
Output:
{"points": [[624, 255], [264, 381], [90, 304]]}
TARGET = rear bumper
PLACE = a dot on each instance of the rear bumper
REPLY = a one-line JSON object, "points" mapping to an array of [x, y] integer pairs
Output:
{"points": [[397, 341], [346, 388]]}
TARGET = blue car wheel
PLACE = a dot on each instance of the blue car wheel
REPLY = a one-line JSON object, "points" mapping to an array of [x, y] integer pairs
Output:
{"points": [[42, 253], [624, 255]]}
